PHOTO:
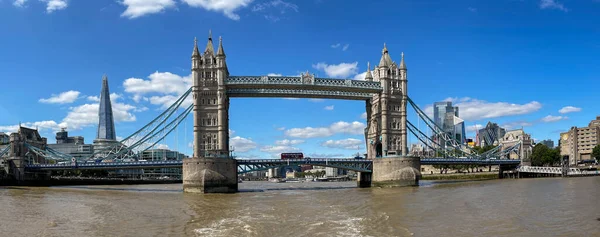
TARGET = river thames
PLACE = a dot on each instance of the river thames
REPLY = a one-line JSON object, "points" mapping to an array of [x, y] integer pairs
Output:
{"points": [[524, 207]]}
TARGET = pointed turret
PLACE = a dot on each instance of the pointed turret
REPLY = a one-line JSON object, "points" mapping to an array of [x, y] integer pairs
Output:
{"points": [[402, 64], [385, 61], [195, 53], [220, 51], [209, 45], [106, 124], [368, 76]]}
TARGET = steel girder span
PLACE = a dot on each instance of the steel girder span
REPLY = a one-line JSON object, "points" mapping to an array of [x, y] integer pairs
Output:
{"points": [[245, 166]]}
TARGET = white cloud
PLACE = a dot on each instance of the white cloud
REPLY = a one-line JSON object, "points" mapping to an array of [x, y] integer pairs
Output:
{"points": [[231, 132], [275, 3], [19, 3], [345, 47], [363, 115], [227, 7], [330, 107], [552, 4], [54, 5], [40, 125], [274, 74], [516, 125], [473, 109], [170, 87], [472, 9], [355, 128], [138, 8], [286, 142], [551, 118], [349, 143], [569, 109], [474, 128], [241, 144], [335, 46], [360, 76], [93, 98], [279, 149], [340, 70], [280, 128], [62, 98], [161, 146], [87, 114]]}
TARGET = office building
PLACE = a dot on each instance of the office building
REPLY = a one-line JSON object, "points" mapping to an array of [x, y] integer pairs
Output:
{"points": [[549, 143], [578, 143], [490, 135], [446, 117], [73, 146]]}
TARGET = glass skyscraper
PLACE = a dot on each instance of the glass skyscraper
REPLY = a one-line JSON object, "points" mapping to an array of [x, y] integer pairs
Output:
{"points": [[446, 117]]}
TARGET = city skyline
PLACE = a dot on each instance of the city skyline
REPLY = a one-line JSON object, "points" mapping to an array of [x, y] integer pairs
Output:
{"points": [[147, 72]]}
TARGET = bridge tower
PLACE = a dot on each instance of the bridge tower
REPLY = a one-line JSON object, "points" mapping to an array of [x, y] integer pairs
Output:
{"points": [[386, 129], [211, 170], [387, 111]]}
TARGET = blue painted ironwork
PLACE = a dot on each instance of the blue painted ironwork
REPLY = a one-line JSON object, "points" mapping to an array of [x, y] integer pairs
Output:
{"points": [[48, 154], [257, 81], [5, 151], [245, 166], [264, 92]]}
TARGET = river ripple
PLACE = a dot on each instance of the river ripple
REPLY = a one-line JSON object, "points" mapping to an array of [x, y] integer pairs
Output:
{"points": [[525, 207]]}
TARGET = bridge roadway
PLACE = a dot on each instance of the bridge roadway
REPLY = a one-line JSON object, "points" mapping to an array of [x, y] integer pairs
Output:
{"points": [[244, 166]]}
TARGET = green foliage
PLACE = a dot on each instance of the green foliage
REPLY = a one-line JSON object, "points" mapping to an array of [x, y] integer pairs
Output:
{"points": [[544, 156], [596, 152]]}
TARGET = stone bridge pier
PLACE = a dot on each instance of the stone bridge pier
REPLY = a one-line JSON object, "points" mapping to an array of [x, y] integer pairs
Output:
{"points": [[19, 156]]}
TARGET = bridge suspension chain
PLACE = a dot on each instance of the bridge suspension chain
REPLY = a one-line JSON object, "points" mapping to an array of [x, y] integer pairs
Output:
{"points": [[48, 155], [439, 132], [129, 146], [4, 151]]}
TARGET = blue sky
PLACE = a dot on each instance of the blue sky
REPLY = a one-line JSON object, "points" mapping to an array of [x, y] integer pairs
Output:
{"points": [[517, 63]]}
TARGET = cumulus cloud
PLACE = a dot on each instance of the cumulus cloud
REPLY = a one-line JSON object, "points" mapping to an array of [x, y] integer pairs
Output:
{"points": [[355, 128], [342, 70], [40, 125], [274, 74], [569, 109], [62, 98], [363, 115], [552, 4], [54, 5], [19, 3], [279, 149], [227, 7], [330, 107], [349, 143], [168, 86], [474, 109], [516, 125], [326, 155], [286, 142], [474, 128], [241, 144], [138, 8], [551, 118]]}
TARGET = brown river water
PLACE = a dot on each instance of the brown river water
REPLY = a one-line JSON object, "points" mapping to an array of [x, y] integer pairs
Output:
{"points": [[509, 207]]}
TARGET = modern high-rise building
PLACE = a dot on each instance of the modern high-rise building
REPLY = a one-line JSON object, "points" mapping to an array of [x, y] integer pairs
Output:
{"points": [[446, 117], [490, 135], [105, 137], [74, 146], [578, 143], [549, 143]]}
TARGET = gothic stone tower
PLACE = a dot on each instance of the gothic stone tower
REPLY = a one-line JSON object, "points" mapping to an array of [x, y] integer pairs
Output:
{"points": [[386, 129], [211, 170]]}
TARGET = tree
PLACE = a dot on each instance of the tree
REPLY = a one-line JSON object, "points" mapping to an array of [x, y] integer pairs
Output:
{"points": [[596, 152], [544, 156]]}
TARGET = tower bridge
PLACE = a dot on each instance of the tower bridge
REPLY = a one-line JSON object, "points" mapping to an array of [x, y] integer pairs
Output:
{"points": [[212, 169]]}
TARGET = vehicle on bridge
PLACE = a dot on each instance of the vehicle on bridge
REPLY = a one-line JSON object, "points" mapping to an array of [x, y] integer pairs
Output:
{"points": [[285, 156]]}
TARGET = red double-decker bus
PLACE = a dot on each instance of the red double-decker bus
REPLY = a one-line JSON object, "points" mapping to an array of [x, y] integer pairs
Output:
{"points": [[292, 156]]}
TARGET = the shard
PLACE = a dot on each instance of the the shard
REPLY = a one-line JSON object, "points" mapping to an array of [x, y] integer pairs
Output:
{"points": [[106, 124]]}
